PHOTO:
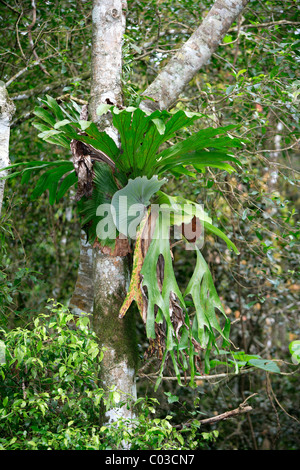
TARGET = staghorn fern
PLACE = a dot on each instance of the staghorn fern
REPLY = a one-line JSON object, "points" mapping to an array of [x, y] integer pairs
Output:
{"points": [[137, 170]]}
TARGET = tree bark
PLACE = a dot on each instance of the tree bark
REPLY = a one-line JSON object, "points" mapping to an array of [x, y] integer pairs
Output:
{"points": [[111, 271], [108, 29], [195, 53], [7, 110], [111, 274]]}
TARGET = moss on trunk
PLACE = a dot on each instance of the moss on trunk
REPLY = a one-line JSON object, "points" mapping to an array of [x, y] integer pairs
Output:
{"points": [[118, 336]]}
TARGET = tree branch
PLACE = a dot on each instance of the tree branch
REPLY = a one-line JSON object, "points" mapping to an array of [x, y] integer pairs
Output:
{"points": [[44, 88], [10, 7], [195, 53], [155, 375], [18, 74], [272, 23], [29, 29]]}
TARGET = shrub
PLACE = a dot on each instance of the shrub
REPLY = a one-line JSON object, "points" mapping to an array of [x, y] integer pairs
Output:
{"points": [[51, 395]]}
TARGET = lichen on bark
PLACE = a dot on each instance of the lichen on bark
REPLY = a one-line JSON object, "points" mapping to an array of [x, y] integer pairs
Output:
{"points": [[7, 110], [111, 281]]}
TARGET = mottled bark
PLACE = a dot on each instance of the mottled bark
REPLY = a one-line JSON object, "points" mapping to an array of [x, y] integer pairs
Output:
{"points": [[195, 53], [109, 17], [83, 297], [111, 272], [7, 110]]}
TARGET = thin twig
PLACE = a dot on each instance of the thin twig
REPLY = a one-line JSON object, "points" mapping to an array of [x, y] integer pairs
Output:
{"points": [[10, 7], [18, 39], [44, 88], [272, 23], [270, 393], [29, 29], [272, 150], [68, 96], [275, 398], [22, 71]]}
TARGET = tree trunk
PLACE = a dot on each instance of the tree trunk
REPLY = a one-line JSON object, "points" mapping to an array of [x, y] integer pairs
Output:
{"points": [[7, 110], [111, 274], [83, 296], [118, 336]]}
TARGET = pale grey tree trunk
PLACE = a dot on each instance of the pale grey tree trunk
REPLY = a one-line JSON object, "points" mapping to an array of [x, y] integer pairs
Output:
{"points": [[274, 156], [103, 276], [109, 20], [111, 273], [7, 110], [110, 279]]}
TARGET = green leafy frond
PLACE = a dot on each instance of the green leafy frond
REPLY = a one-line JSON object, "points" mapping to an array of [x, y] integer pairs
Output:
{"points": [[145, 156], [66, 125], [143, 137], [167, 305], [143, 134], [205, 300], [50, 179], [131, 202]]}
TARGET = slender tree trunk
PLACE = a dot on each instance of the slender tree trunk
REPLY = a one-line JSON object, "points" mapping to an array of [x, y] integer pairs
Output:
{"points": [[110, 270], [273, 143], [111, 273], [7, 110]]}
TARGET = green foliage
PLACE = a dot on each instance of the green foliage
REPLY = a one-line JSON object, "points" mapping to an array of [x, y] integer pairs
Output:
{"points": [[11, 286], [251, 81], [294, 348], [48, 384], [56, 113], [180, 337], [206, 300], [142, 136], [104, 188], [51, 396], [146, 432], [135, 195]]}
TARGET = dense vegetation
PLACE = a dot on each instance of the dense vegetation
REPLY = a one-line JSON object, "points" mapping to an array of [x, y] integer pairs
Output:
{"points": [[252, 82], [52, 396]]}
